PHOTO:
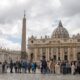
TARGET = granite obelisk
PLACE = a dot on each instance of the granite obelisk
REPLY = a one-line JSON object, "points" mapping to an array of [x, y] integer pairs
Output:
{"points": [[23, 43]]}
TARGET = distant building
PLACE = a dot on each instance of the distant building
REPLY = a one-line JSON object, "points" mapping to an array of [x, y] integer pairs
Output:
{"points": [[59, 47], [9, 55]]}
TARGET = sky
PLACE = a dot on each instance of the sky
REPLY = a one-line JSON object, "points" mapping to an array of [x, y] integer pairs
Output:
{"points": [[42, 17]]}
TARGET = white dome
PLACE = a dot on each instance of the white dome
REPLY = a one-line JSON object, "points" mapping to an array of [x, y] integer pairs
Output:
{"points": [[60, 32]]}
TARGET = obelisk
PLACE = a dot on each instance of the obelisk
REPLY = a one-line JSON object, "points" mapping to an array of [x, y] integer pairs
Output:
{"points": [[23, 43]]}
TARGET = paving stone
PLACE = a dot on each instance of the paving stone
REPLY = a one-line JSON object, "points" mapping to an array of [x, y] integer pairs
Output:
{"points": [[23, 76]]}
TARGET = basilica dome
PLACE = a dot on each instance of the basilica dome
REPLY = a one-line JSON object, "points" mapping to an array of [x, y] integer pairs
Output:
{"points": [[60, 32]]}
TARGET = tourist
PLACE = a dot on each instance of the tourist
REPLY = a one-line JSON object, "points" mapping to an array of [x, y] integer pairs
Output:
{"points": [[72, 68], [78, 67], [6, 66], [25, 66], [0, 67], [16, 66], [52, 67], [19, 65], [29, 67], [41, 66], [63, 67], [33, 66], [44, 65], [68, 67], [3, 67], [48, 66], [11, 66], [57, 68]]}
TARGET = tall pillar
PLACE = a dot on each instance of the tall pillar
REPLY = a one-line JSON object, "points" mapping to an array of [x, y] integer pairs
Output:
{"points": [[47, 54], [51, 53], [68, 54], [35, 54], [74, 54], [40, 53], [57, 55], [61, 54], [23, 44]]}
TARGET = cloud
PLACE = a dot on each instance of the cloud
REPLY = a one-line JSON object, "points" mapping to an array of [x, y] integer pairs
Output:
{"points": [[10, 35], [42, 18], [6, 44], [70, 7]]}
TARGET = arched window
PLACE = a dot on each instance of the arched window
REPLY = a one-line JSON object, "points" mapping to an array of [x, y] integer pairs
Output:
{"points": [[32, 56], [31, 41], [54, 57], [78, 56], [65, 57]]}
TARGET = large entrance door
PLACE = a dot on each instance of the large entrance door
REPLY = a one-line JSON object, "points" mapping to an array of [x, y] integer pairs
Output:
{"points": [[78, 56]]}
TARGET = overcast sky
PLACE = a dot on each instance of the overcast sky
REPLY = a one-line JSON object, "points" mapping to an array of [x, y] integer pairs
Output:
{"points": [[42, 18]]}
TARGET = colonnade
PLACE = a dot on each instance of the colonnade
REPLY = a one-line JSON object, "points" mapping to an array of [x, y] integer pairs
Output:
{"points": [[58, 53]]}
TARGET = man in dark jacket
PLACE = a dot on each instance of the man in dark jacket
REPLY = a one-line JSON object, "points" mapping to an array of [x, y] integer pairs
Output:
{"points": [[29, 67], [11, 66], [44, 66]]}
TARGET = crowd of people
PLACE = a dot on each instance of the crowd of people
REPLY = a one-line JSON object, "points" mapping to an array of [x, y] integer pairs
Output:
{"points": [[63, 67], [18, 67], [45, 67]]}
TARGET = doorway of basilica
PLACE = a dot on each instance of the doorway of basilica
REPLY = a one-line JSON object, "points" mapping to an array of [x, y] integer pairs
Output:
{"points": [[78, 56]]}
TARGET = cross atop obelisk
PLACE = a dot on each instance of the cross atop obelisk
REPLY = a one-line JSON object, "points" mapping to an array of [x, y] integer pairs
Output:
{"points": [[23, 43]]}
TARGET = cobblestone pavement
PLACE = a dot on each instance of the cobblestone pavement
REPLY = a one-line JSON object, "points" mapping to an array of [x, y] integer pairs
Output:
{"points": [[23, 76]]}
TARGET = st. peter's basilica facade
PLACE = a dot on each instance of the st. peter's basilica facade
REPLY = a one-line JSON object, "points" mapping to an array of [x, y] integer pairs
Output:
{"points": [[60, 46]]}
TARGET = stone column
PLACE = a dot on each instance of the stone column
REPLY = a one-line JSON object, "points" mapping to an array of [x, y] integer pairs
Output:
{"points": [[40, 53], [36, 52], [74, 54], [57, 54], [47, 54], [51, 53], [70, 54], [61, 54]]}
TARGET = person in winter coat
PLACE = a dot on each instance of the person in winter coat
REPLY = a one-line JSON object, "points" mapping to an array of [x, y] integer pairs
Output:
{"points": [[3, 67], [29, 67], [24, 66], [16, 66], [11, 66], [52, 67], [44, 66], [33, 66]]}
